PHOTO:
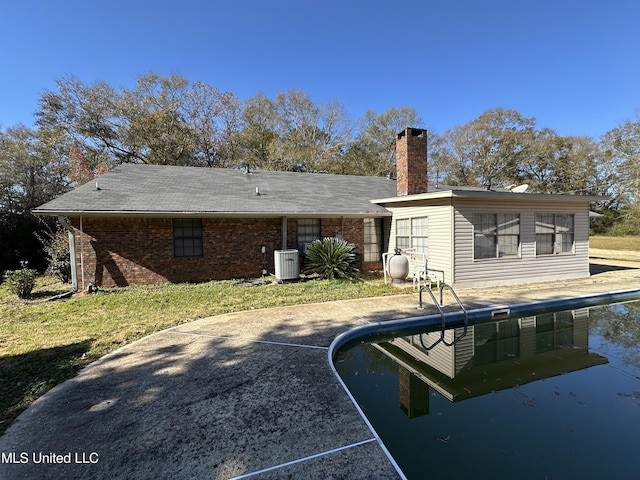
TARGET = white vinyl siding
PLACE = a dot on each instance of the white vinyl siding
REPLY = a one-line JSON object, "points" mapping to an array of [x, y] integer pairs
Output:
{"points": [[440, 233], [451, 236], [528, 267], [446, 359]]}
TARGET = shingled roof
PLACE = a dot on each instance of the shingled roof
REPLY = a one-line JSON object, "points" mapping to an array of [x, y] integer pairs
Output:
{"points": [[158, 190]]}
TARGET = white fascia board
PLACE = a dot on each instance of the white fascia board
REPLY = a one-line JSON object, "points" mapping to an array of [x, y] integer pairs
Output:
{"points": [[413, 198], [156, 214], [492, 195]]}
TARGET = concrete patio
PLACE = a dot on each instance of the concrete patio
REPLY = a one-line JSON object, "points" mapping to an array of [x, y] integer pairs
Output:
{"points": [[243, 395]]}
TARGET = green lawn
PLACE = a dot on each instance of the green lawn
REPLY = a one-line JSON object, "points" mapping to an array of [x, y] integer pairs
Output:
{"points": [[43, 344]]}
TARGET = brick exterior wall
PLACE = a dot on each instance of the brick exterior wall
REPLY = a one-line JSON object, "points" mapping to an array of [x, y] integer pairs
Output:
{"points": [[130, 251], [411, 161], [352, 230]]}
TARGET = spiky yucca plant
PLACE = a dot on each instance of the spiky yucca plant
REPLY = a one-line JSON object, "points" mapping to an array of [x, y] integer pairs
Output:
{"points": [[332, 258]]}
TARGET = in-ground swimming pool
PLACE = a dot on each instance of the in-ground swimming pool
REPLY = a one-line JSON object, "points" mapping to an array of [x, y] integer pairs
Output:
{"points": [[553, 395]]}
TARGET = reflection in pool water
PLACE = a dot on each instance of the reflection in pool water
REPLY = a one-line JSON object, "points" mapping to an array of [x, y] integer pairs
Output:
{"points": [[548, 396]]}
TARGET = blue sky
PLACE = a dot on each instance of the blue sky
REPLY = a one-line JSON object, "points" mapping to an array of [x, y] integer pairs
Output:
{"points": [[574, 65]]}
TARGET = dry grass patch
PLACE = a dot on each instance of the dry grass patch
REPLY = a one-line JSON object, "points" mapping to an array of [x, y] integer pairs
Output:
{"points": [[615, 243], [43, 344]]}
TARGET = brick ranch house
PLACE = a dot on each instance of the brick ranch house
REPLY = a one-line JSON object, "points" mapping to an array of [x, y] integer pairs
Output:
{"points": [[150, 224]]}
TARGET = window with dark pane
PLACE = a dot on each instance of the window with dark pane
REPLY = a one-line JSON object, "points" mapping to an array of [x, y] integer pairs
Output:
{"points": [[372, 239], [496, 235], [554, 233], [187, 237], [308, 232]]}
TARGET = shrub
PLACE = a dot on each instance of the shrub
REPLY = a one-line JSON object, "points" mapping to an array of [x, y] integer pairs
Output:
{"points": [[56, 247], [21, 282], [332, 258]]}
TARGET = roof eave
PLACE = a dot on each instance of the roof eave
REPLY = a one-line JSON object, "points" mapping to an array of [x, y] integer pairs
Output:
{"points": [[413, 198], [174, 214], [491, 195]]}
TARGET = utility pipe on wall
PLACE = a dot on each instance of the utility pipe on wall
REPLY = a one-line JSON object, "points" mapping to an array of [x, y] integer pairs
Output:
{"points": [[284, 233]]}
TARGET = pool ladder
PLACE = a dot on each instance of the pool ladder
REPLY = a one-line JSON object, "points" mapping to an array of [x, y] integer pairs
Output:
{"points": [[439, 306]]}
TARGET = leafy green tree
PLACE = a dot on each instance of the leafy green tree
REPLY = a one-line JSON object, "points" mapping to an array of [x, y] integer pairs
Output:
{"points": [[624, 145], [30, 171], [18, 241], [33, 170], [153, 120]]}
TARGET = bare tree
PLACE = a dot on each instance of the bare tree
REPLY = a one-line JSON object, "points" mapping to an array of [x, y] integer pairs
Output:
{"points": [[214, 119], [373, 151], [163, 120], [487, 150], [293, 133]]}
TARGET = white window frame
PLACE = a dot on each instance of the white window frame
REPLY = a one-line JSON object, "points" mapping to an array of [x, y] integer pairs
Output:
{"points": [[413, 234], [372, 240], [557, 232], [493, 232]]}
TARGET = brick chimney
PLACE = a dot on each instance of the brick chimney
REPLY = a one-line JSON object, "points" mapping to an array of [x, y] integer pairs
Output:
{"points": [[411, 161]]}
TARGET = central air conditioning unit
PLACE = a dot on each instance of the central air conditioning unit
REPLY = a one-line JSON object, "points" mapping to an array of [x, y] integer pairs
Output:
{"points": [[287, 264]]}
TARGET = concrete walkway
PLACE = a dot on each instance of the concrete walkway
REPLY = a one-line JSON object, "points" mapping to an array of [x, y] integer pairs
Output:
{"points": [[244, 395]]}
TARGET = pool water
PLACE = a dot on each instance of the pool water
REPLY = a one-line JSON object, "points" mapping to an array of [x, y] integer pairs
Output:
{"points": [[552, 396]]}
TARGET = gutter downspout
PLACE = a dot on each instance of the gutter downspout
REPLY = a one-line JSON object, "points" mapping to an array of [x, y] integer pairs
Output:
{"points": [[72, 251], [284, 233], [82, 253]]}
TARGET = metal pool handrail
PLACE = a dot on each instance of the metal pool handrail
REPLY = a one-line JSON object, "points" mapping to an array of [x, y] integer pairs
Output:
{"points": [[442, 314], [381, 330]]}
